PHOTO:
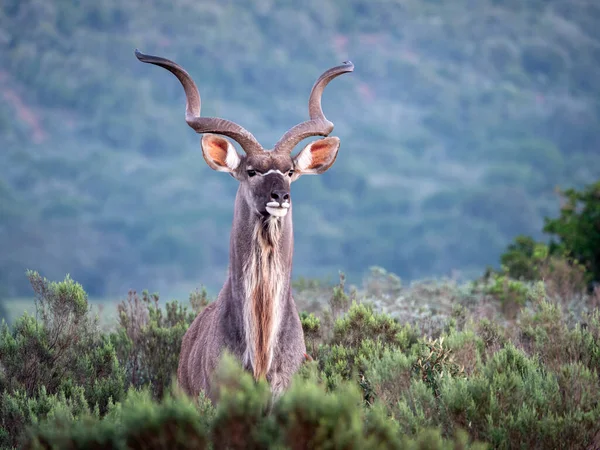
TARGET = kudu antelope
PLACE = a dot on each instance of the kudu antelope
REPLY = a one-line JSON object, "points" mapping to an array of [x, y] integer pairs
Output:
{"points": [[254, 316]]}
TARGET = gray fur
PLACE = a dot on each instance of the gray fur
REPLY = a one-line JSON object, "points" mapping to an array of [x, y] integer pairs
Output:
{"points": [[221, 326], [257, 292]]}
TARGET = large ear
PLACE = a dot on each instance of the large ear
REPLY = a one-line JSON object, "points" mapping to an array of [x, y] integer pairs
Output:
{"points": [[219, 153], [317, 157]]}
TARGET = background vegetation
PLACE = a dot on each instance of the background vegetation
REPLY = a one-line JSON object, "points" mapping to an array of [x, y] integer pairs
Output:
{"points": [[500, 362], [459, 122]]}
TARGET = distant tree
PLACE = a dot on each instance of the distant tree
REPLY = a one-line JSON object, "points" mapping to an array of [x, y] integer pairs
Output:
{"points": [[577, 229], [523, 257]]}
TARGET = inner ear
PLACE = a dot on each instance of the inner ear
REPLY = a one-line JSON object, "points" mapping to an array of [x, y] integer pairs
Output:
{"points": [[318, 156], [219, 153]]}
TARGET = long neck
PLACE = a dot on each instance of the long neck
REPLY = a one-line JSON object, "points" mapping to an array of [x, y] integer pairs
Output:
{"points": [[261, 250]]}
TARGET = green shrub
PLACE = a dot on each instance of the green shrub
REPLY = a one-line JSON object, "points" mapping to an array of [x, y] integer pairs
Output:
{"points": [[242, 406], [174, 423], [492, 335], [18, 410], [546, 333], [358, 337], [433, 439], [416, 409], [523, 257], [137, 423], [375, 383], [512, 402], [572, 258], [576, 230], [311, 326], [304, 417], [53, 361], [362, 322], [434, 362], [336, 363], [510, 294], [148, 339], [390, 375], [466, 348], [307, 417], [339, 300]]}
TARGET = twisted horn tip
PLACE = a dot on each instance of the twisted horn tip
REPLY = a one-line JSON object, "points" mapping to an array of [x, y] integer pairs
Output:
{"points": [[142, 56], [349, 64]]}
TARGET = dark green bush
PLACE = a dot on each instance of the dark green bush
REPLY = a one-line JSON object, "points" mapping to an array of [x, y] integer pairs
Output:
{"points": [[528, 260], [357, 337], [305, 417], [572, 258], [523, 257], [510, 402], [243, 403], [363, 322], [435, 361], [390, 375], [148, 339], [58, 360], [311, 326], [138, 423], [19, 410], [375, 383], [576, 231]]}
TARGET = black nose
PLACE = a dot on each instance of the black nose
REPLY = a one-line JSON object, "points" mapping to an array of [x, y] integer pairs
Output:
{"points": [[280, 196]]}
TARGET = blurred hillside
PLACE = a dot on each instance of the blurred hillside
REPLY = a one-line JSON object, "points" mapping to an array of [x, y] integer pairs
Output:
{"points": [[459, 121]]}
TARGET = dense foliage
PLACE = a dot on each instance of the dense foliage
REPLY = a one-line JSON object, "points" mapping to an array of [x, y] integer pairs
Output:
{"points": [[578, 228], [430, 366], [460, 119], [574, 249], [458, 123]]}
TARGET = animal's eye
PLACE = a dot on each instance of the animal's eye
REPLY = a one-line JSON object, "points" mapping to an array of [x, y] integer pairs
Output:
{"points": [[291, 172], [251, 173]]}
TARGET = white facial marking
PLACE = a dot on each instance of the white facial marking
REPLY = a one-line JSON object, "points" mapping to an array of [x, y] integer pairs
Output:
{"points": [[277, 212], [273, 204], [271, 171], [285, 205]]}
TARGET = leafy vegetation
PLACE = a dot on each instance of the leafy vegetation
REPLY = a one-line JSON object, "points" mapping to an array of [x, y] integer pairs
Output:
{"points": [[572, 257], [578, 228], [459, 120], [58, 359], [473, 376], [501, 362], [458, 123]]}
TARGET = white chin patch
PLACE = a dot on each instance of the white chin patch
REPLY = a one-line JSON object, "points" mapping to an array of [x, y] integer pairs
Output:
{"points": [[277, 212]]}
